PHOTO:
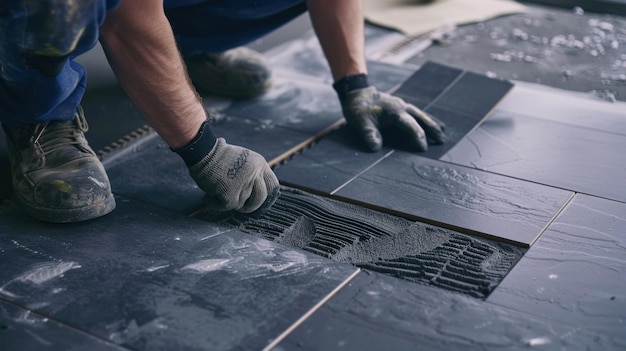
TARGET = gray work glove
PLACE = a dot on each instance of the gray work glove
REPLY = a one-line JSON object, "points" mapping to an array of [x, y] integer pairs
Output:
{"points": [[235, 178], [369, 111]]}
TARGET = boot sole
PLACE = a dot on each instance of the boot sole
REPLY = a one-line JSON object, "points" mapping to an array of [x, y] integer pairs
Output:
{"points": [[70, 215]]}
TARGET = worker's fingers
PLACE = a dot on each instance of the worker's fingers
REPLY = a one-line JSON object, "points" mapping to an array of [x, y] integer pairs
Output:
{"points": [[433, 127], [412, 130], [367, 130]]}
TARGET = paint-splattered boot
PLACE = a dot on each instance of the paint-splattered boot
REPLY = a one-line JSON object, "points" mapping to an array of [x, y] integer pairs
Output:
{"points": [[238, 73], [56, 175]]}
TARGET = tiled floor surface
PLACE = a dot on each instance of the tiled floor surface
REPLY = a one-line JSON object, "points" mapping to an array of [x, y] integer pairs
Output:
{"points": [[538, 171]]}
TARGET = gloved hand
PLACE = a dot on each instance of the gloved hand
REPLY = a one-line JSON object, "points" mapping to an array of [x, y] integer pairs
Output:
{"points": [[235, 178], [369, 111]]}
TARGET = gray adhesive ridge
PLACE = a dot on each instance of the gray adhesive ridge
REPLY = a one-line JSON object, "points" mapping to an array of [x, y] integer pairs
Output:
{"points": [[380, 242]]}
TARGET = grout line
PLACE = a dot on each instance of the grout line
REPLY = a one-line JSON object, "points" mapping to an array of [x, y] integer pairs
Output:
{"points": [[64, 324], [285, 155], [557, 214], [317, 306], [450, 86], [361, 173]]}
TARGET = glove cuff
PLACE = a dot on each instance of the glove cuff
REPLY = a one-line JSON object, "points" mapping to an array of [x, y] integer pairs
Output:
{"points": [[199, 146], [350, 83]]}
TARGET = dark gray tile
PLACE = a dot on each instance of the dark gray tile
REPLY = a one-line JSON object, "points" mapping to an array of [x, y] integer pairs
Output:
{"points": [[457, 124], [456, 197], [561, 106], [6, 189], [575, 272], [151, 279], [383, 243], [328, 163], [386, 77], [297, 104], [560, 155], [263, 136], [149, 171], [428, 83], [375, 312], [22, 329], [474, 95]]}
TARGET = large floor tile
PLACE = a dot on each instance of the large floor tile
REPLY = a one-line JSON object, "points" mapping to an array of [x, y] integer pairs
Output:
{"points": [[304, 106], [271, 141], [428, 83], [457, 197], [560, 155], [329, 163], [375, 312], [149, 171], [575, 272], [534, 100], [474, 95], [24, 330], [151, 279]]}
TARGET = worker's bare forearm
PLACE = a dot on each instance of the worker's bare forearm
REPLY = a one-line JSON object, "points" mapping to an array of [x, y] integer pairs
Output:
{"points": [[141, 49], [339, 27]]}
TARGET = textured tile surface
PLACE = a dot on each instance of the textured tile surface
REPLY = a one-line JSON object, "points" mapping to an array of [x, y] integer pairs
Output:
{"points": [[21, 329], [151, 172], [575, 272], [561, 155], [462, 198], [375, 312], [151, 279]]}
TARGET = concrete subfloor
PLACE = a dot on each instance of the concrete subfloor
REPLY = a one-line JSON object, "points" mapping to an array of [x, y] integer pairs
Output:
{"points": [[148, 277]]}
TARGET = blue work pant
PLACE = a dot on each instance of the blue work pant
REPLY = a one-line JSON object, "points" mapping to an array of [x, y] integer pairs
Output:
{"points": [[30, 95]]}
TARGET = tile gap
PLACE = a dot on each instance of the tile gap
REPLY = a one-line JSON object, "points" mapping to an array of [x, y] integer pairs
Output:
{"points": [[64, 324], [456, 80], [294, 150], [317, 306], [363, 171], [569, 200]]}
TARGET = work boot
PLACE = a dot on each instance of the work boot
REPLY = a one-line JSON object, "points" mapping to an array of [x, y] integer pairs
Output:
{"points": [[56, 175], [238, 73]]}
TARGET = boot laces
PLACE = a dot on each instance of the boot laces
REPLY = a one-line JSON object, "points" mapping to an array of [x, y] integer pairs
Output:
{"points": [[53, 135]]}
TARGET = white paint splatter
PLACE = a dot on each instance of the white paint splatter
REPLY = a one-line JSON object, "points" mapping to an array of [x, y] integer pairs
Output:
{"points": [[47, 271], [209, 265], [553, 276], [538, 341], [156, 268]]}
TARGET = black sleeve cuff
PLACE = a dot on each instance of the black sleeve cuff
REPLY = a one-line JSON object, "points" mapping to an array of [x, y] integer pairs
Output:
{"points": [[199, 146], [347, 84]]}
